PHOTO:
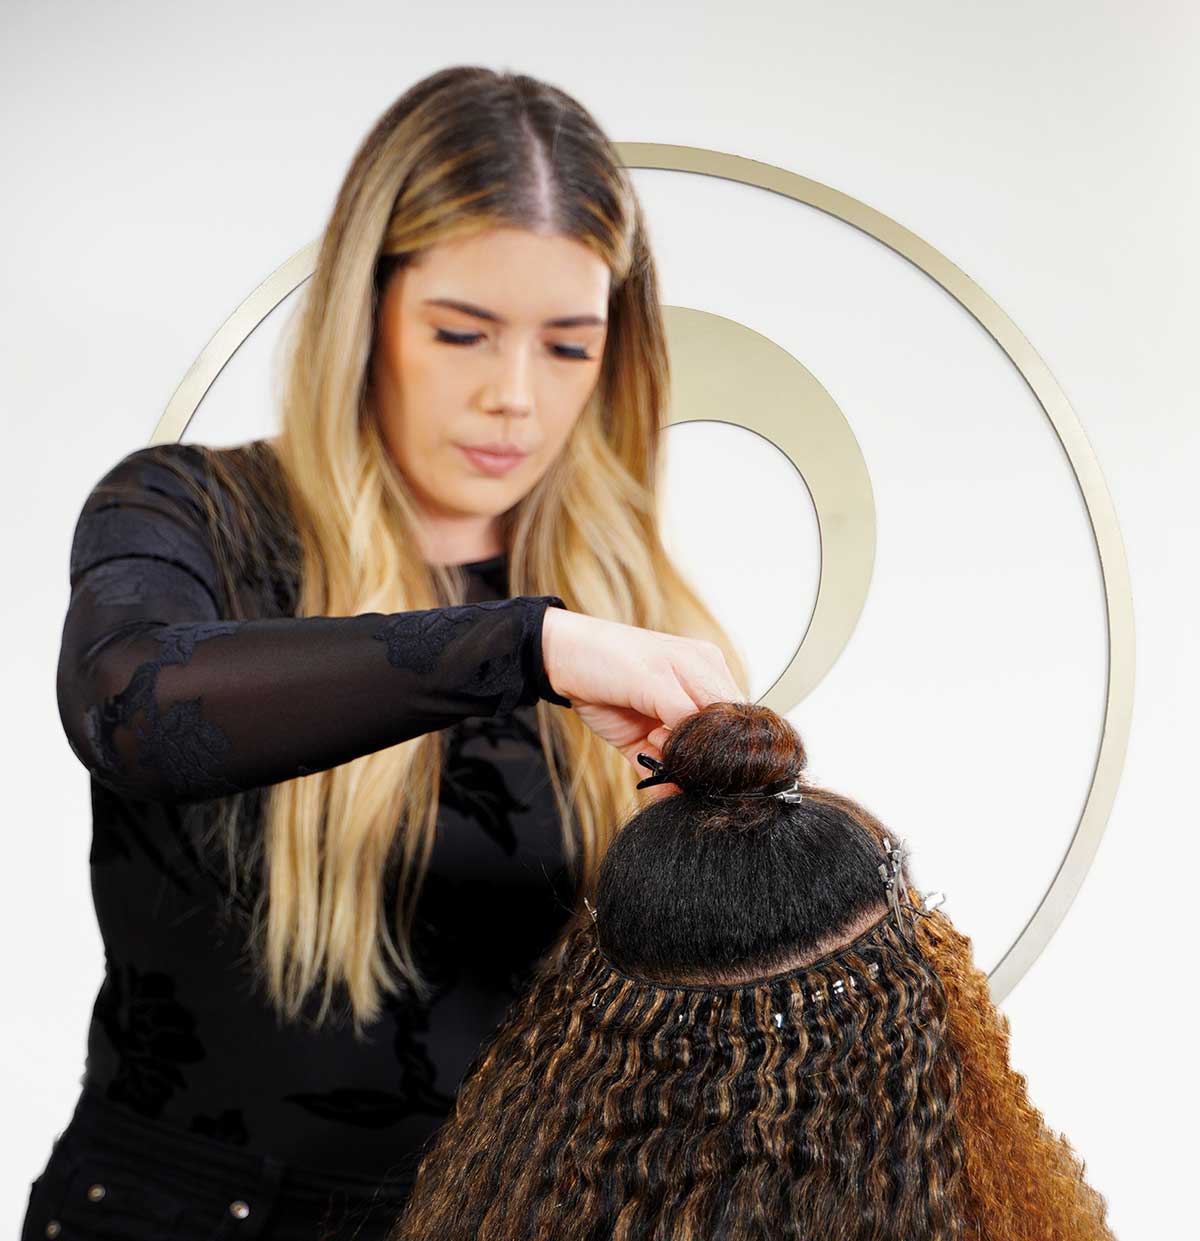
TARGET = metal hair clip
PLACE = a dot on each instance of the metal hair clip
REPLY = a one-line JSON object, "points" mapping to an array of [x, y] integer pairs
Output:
{"points": [[892, 874], [790, 794], [895, 879], [787, 789]]}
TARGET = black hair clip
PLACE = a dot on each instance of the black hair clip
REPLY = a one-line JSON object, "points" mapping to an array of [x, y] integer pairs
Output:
{"points": [[660, 776]]}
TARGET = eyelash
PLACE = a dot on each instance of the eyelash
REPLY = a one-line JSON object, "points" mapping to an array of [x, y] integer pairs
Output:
{"points": [[451, 338]]}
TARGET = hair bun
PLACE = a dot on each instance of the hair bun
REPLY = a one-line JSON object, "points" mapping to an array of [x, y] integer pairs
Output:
{"points": [[728, 748]]}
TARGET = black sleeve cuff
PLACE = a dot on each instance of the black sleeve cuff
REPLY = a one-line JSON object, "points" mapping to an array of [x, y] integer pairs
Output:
{"points": [[537, 683]]}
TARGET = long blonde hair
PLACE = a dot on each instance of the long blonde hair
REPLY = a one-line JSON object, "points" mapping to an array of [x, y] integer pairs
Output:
{"points": [[464, 150]]}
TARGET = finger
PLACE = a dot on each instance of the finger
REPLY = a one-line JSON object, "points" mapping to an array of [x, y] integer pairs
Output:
{"points": [[673, 703], [726, 686], [705, 684]]}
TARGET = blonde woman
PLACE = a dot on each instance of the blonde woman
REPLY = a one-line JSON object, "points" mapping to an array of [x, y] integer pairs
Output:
{"points": [[360, 704]]}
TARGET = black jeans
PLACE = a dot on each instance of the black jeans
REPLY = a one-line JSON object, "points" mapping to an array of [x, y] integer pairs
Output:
{"points": [[115, 1175]]}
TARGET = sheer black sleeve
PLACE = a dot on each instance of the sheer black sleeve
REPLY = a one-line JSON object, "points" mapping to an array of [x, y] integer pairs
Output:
{"points": [[163, 698]]}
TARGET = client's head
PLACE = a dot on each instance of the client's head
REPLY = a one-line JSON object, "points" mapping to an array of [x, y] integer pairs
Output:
{"points": [[758, 1031]]}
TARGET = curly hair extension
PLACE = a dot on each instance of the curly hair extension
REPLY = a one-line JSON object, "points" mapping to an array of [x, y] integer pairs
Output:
{"points": [[745, 1040], [1026, 1182]]}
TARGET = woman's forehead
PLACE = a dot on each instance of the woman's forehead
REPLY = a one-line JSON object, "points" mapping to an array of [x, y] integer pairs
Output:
{"points": [[513, 275]]}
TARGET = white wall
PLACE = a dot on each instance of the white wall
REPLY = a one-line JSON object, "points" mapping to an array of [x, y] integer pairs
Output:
{"points": [[159, 162]]}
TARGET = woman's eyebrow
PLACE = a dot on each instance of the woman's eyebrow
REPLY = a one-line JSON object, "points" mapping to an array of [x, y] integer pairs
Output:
{"points": [[478, 312]]}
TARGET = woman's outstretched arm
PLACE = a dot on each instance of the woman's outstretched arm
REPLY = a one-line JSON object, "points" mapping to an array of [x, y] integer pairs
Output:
{"points": [[163, 698]]}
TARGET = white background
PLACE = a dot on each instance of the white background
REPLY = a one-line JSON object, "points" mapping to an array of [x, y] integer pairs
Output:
{"points": [[161, 160]]}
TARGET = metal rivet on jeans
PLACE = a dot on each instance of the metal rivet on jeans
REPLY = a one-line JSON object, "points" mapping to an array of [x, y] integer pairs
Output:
{"points": [[239, 1209]]}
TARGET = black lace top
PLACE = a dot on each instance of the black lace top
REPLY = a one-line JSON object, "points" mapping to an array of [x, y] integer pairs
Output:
{"points": [[175, 708]]}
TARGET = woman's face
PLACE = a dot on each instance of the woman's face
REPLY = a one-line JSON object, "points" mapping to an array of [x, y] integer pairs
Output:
{"points": [[493, 341]]}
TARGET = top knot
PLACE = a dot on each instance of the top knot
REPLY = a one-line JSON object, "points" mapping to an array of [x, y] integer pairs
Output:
{"points": [[731, 750]]}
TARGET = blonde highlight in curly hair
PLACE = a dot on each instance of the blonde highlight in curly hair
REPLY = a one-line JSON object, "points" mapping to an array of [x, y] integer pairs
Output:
{"points": [[860, 1090]]}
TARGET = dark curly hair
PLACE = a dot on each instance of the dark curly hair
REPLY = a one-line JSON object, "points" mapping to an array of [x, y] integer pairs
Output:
{"points": [[748, 1039]]}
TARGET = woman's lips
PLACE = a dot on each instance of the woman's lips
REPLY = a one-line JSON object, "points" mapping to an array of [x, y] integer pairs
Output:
{"points": [[493, 463]]}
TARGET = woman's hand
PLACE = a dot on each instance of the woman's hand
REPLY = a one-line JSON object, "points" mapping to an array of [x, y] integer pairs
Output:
{"points": [[631, 686]]}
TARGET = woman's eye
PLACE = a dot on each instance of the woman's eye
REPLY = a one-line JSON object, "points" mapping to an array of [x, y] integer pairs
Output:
{"points": [[563, 351], [452, 339]]}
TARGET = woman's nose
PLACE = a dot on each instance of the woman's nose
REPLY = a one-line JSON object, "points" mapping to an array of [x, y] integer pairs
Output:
{"points": [[511, 386]]}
